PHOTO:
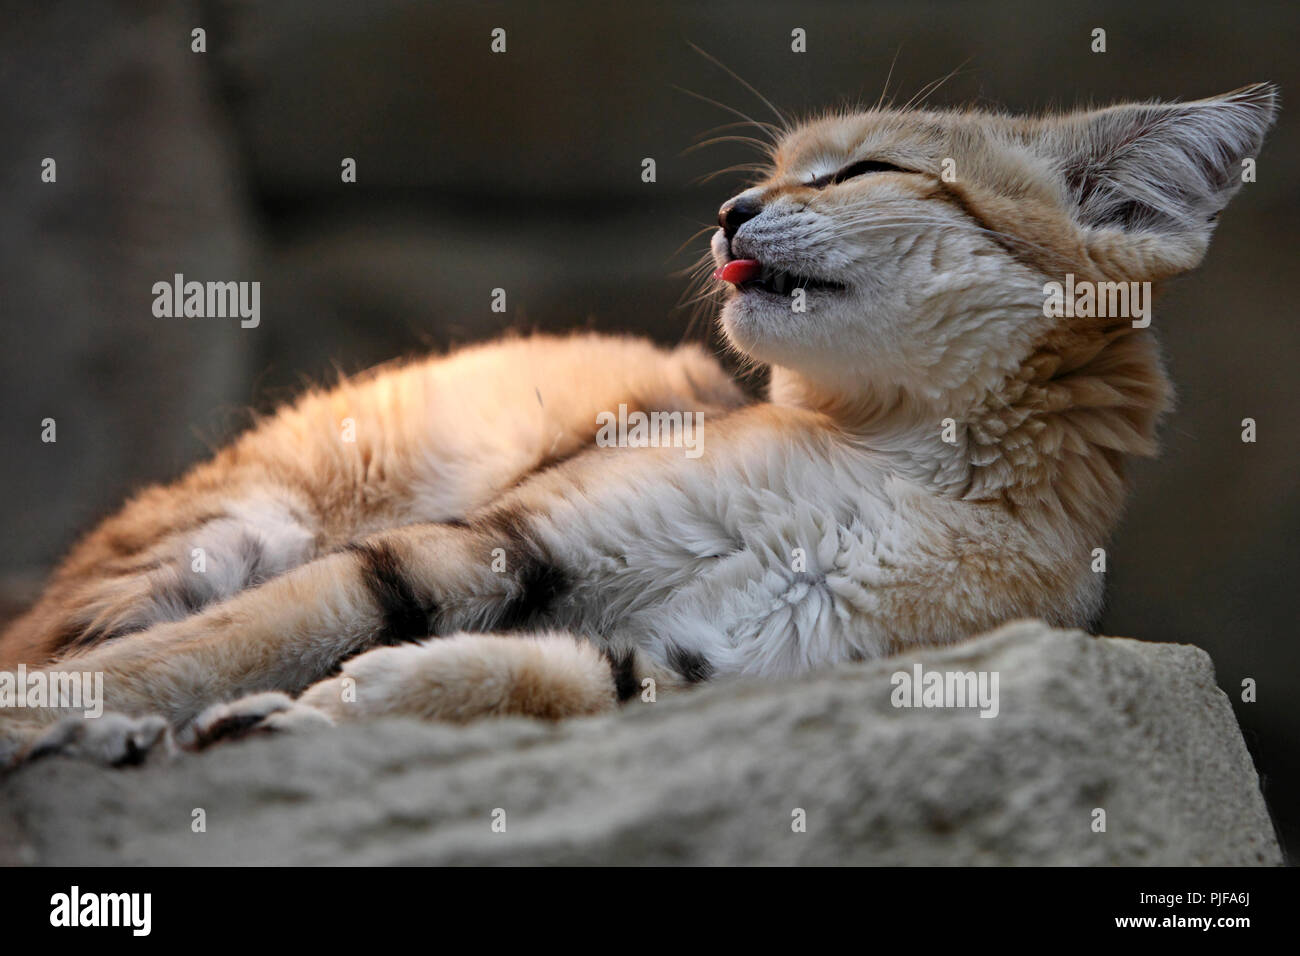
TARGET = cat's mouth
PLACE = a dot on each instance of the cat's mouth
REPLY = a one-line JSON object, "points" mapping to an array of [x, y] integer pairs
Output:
{"points": [[750, 275]]}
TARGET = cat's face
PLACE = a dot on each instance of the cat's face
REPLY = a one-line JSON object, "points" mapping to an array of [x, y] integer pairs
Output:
{"points": [[912, 248]]}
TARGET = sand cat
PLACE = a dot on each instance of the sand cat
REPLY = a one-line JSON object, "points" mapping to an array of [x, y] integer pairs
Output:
{"points": [[525, 528]]}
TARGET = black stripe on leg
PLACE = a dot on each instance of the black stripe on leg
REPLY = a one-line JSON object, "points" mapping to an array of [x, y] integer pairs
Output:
{"points": [[692, 665], [405, 616], [541, 584], [622, 663]]}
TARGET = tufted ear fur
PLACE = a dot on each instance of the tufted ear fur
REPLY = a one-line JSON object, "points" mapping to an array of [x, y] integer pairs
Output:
{"points": [[1161, 169]]}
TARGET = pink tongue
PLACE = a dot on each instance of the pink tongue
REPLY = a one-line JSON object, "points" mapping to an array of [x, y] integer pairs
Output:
{"points": [[739, 270]]}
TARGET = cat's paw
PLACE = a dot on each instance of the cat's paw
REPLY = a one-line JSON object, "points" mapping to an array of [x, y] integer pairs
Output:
{"points": [[268, 712], [113, 740], [462, 677]]}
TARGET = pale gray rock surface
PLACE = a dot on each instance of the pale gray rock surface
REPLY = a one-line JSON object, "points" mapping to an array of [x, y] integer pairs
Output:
{"points": [[715, 776]]}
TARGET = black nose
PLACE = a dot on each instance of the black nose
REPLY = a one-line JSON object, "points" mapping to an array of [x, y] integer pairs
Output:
{"points": [[737, 211]]}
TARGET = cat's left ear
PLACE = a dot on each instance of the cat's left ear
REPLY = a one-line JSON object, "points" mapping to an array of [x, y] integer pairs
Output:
{"points": [[1162, 169]]}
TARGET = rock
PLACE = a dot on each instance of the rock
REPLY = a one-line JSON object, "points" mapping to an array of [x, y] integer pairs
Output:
{"points": [[715, 776]]}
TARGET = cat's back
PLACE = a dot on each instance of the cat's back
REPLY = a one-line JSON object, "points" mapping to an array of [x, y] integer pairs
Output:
{"points": [[431, 439]]}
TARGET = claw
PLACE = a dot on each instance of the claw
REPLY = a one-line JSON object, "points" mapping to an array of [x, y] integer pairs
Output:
{"points": [[114, 740]]}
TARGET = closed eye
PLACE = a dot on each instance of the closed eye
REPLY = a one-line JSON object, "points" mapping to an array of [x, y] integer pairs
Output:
{"points": [[854, 170]]}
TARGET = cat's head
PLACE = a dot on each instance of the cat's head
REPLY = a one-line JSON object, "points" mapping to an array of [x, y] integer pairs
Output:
{"points": [[918, 244]]}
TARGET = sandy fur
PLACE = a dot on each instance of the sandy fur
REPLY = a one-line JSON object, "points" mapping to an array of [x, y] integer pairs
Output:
{"points": [[833, 522]]}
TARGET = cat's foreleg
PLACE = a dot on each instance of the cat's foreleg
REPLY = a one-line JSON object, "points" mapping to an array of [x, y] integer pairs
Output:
{"points": [[283, 636], [549, 675], [294, 630]]}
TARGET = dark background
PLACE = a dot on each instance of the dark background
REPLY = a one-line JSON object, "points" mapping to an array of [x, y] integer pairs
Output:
{"points": [[522, 171]]}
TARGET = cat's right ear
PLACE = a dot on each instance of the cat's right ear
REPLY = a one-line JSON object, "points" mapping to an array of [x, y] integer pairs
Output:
{"points": [[1161, 172]]}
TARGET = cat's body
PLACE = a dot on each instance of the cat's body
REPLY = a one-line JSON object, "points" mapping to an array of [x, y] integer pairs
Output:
{"points": [[937, 456]]}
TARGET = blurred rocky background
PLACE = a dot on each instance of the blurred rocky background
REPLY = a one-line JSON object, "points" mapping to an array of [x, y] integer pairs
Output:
{"points": [[522, 171]]}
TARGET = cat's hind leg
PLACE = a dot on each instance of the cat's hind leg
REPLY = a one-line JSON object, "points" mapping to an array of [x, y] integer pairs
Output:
{"points": [[135, 571]]}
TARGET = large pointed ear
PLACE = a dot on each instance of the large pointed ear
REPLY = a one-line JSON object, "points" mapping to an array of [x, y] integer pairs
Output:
{"points": [[1164, 168]]}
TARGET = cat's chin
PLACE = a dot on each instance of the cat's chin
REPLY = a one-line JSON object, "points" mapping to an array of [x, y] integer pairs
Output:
{"points": [[764, 327], [783, 310]]}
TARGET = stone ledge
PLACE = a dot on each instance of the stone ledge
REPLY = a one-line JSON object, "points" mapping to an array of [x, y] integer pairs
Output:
{"points": [[713, 777]]}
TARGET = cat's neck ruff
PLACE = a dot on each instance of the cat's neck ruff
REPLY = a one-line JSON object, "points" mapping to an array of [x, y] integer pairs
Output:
{"points": [[1050, 437]]}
